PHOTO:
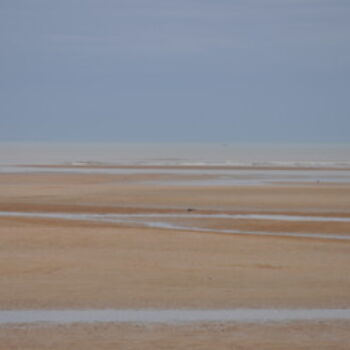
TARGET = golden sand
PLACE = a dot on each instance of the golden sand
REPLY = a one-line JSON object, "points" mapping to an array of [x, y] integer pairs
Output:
{"points": [[51, 263], [286, 336]]}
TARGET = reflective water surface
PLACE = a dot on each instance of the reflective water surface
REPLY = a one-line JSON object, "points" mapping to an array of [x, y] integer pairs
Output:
{"points": [[159, 221], [170, 316]]}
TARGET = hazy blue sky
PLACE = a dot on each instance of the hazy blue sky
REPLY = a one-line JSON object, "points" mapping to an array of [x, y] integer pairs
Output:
{"points": [[179, 70]]}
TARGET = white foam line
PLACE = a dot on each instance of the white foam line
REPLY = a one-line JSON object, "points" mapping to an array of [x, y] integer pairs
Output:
{"points": [[170, 316], [125, 218]]}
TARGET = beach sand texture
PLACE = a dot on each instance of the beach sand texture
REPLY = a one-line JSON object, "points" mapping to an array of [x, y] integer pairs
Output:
{"points": [[275, 336], [62, 264]]}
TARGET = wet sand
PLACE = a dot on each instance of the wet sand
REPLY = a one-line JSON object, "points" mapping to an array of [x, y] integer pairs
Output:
{"points": [[97, 193], [61, 264], [273, 336], [205, 223], [58, 264]]}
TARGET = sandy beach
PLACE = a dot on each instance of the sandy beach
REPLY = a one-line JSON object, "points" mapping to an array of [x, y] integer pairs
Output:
{"points": [[50, 263], [275, 336], [174, 175]]}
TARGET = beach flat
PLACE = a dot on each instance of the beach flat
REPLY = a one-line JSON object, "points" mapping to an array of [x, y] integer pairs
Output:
{"points": [[92, 263]]}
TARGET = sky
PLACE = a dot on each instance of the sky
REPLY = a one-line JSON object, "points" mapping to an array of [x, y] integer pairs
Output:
{"points": [[230, 71]]}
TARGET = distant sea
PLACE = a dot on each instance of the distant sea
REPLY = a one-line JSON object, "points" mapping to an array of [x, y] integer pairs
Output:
{"points": [[211, 154]]}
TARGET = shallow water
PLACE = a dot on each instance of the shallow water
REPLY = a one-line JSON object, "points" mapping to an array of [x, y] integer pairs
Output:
{"points": [[143, 220], [170, 316], [221, 177], [87, 216], [80, 156], [324, 155], [236, 216]]}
